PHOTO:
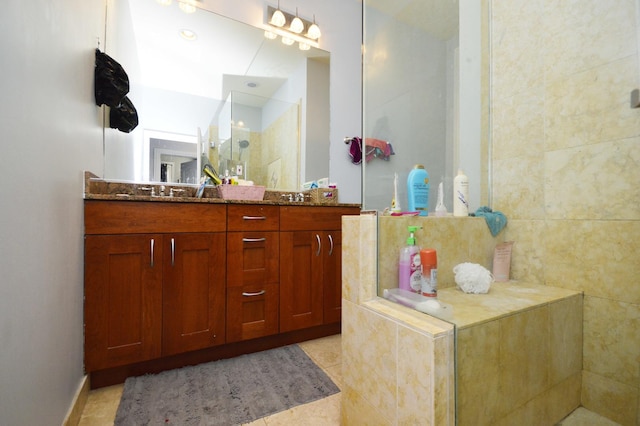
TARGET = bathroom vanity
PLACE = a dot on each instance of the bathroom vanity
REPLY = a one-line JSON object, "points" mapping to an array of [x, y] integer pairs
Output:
{"points": [[172, 281]]}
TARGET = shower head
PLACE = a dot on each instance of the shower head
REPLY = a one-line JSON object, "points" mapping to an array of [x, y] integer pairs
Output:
{"points": [[243, 144]]}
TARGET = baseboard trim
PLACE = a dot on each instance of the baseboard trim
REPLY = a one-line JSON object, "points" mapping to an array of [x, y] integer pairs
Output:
{"points": [[79, 401]]}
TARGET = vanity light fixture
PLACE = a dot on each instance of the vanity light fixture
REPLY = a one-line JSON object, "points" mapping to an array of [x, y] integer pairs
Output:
{"points": [[291, 28], [277, 18]]}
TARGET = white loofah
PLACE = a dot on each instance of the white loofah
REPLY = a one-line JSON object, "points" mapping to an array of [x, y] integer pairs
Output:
{"points": [[472, 278]]}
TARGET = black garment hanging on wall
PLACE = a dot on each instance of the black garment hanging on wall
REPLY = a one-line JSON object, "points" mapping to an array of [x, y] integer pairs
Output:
{"points": [[111, 87]]}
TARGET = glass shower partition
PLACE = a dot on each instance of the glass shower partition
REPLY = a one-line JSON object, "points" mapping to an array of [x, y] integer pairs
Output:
{"points": [[425, 101]]}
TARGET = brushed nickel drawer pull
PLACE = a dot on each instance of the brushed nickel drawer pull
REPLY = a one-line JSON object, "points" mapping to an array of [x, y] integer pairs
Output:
{"points": [[173, 251], [254, 218], [153, 242], [260, 293], [253, 240]]}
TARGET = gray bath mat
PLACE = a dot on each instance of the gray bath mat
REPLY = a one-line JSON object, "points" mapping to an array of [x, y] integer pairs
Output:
{"points": [[226, 392]]}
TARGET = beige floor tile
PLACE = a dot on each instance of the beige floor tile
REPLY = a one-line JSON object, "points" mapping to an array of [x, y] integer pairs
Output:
{"points": [[583, 417], [101, 406], [326, 351], [324, 412]]}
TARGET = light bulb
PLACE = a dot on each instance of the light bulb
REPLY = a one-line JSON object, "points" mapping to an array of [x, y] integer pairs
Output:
{"points": [[270, 35], [288, 41], [164, 2], [314, 32], [303, 46], [278, 19], [296, 25]]}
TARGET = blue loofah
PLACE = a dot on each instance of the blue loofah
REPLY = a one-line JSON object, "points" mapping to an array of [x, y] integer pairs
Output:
{"points": [[495, 220]]}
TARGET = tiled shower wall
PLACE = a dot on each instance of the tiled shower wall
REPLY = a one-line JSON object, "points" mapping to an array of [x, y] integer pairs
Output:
{"points": [[566, 172]]}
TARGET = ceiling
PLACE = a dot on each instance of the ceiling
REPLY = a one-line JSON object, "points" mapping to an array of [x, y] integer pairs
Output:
{"points": [[226, 55]]}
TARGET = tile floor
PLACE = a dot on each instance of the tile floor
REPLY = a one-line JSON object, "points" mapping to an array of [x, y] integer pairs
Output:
{"points": [[102, 404]]}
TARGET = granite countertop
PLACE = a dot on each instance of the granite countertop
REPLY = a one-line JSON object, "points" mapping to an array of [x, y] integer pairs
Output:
{"points": [[96, 188]]}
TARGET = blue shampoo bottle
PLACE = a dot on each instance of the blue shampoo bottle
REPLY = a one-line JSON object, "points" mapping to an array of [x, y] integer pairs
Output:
{"points": [[418, 190]]}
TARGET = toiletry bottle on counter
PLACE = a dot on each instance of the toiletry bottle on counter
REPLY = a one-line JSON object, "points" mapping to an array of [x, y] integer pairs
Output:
{"points": [[461, 195], [409, 272], [429, 265], [418, 190]]}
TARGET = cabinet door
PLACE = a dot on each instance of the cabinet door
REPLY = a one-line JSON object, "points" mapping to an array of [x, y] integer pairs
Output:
{"points": [[332, 276], [301, 263], [193, 292], [123, 299], [252, 311]]}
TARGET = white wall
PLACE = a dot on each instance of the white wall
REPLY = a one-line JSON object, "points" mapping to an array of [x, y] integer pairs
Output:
{"points": [[51, 132]]}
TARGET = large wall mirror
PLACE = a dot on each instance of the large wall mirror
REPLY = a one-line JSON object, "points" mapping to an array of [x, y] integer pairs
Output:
{"points": [[208, 88]]}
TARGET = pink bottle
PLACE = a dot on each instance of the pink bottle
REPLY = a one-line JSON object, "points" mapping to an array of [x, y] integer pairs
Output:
{"points": [[409, 271]]}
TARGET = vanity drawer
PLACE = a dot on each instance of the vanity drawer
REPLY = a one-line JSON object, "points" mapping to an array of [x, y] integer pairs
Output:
{"points": [[252, 258], [252, 217], [252, 311], [144, 217], [305, 218]]}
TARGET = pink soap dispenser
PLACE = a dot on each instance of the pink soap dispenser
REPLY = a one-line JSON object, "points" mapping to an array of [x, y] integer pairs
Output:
{"points": [[409, 271]]}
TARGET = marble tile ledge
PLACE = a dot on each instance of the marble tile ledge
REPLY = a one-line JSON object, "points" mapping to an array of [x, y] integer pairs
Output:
{"points": [[503, 299]]}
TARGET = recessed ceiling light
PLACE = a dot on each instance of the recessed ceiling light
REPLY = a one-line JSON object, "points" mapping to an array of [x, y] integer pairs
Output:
{"points": [[252, 84], [186, 7], [188, 34]]}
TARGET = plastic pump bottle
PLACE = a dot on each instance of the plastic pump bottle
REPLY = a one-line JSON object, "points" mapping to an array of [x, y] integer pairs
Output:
{"points": [[409, 271], [418, 190], [461, 195]]}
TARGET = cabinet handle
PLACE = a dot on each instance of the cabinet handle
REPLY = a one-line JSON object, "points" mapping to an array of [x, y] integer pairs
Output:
{"points": [[254, 218], [319, 245], [260, 293], [253, 240], [153, 242], [173, 251], [331, 247]]}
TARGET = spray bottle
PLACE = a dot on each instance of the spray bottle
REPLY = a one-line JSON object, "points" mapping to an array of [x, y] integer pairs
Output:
{"points": [[429, 267], [409, 271]]}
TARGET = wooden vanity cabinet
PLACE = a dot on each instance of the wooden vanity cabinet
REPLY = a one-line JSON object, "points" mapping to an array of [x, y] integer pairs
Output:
{"points": [[310, 265], [123, 299], [169, 284], [154, 280], [252, 271], [193, 292]]}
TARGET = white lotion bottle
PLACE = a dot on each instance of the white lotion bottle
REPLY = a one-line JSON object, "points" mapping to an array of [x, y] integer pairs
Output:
{"points": [[461, 195]]}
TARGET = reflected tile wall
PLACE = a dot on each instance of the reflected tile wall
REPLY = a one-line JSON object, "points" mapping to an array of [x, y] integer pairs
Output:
{"points": [[565, 172]]}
